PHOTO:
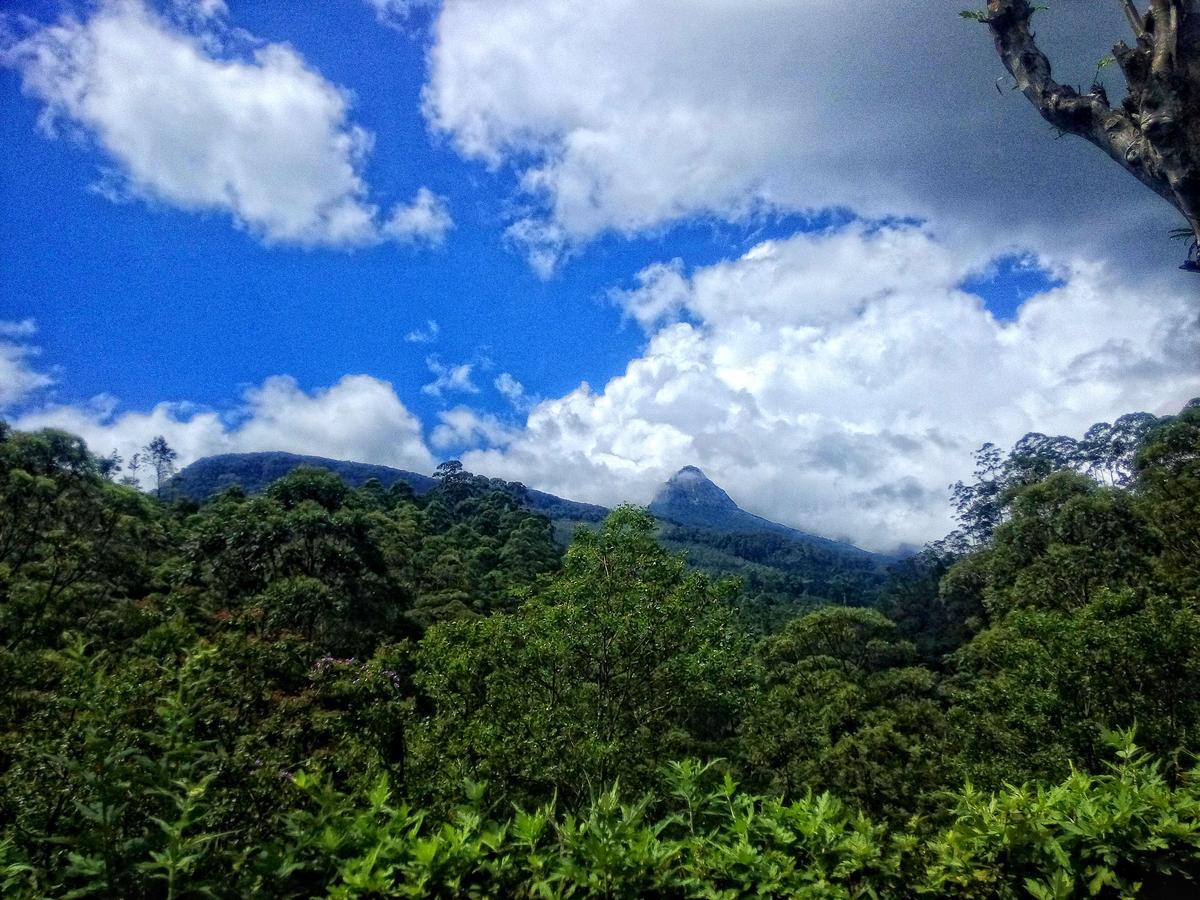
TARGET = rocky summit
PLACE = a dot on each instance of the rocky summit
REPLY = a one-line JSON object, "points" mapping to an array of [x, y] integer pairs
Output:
{"points": [[691, 489], [691, 498]]}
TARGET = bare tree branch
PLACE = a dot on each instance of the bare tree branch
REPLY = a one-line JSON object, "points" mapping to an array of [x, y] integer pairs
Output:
{"points": [[1136, 22], [1155, 133], [1164, 15]]}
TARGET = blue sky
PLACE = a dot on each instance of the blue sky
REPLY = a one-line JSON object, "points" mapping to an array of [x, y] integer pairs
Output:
{"points": [[148, 302], [570, 201]]}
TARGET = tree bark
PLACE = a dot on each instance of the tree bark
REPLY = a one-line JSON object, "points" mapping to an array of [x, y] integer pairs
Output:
{"points": [[1154, 134]]}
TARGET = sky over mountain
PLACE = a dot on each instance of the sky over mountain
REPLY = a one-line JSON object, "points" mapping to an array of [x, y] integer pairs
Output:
{"points": [[818, 249]]}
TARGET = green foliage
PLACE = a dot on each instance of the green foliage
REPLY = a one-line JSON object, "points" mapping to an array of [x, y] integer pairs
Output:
{"points": [[613, 667], [1040, 688], [843, 708], [702, 836], [1168, 482], [781, 577], [1118, 833], [1087, 612], [73, 547], [708, 839], [357, 691], [1106, 454]]}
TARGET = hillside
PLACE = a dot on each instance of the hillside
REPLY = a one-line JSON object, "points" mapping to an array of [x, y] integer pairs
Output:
{"points": [[253, 472], [690, 498], [784, 571], [323, 691]]}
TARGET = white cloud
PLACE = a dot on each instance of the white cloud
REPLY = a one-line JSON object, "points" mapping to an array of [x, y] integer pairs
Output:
{"points": [[425, 220], [629, 116], [661, 294], [513, 391], [199, 10], [426, 335], [395, 13], [449, 378], [358, 418], [839, 382], [265, 139], [20, 329], [19, 380], [465, 427]]}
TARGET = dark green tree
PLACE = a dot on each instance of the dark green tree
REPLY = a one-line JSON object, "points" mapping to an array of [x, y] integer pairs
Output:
{"points": [[608, 670], [844, 708]]}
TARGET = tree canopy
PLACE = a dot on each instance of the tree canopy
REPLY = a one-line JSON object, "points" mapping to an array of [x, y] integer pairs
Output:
{"points": [[324, 690]]}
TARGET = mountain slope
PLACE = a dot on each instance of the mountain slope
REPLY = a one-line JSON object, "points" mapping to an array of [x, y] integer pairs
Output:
{"points": [[784, 571], [690, 498], [254, 471]]}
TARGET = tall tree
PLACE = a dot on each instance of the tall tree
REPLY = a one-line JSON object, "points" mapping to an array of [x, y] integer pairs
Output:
{"points": [[161, 457], [1154, 132]]}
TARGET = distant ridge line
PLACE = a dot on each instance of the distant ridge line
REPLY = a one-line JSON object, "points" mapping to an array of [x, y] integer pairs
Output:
{"points": [[689, 498]]}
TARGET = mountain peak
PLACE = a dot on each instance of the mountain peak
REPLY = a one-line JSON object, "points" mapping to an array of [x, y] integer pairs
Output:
{"points": [[690, 491], [690, 498]]}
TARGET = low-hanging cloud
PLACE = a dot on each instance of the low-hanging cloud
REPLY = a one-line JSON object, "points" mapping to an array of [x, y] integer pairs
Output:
{"points": [[839, 382], [358, 418]]}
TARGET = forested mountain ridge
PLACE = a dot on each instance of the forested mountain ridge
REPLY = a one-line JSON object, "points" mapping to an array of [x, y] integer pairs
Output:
{"points": [[327, 691], [687, 498], [784, 571], [253, 472]]}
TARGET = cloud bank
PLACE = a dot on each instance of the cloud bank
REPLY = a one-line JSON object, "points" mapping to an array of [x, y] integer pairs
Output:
{"points": [[839, 382], [629, 117]]}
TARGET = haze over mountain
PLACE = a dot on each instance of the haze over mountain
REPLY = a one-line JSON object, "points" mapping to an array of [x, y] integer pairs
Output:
{"points": [[691, 498]]}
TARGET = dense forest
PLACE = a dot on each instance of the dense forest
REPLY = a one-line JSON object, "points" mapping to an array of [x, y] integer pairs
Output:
{"points": [[326, 690]]}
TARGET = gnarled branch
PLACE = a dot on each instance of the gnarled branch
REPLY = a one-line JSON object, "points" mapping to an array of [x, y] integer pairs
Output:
{"points": [[1155, 133]]}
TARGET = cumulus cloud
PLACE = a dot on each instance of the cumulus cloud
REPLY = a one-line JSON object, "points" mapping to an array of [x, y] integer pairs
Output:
{"points": [[264, 137], [19, 379], [661, 294], [465, 427], [425, 220], [449, 378], [838, 382], [629, 116], [358, 418]]}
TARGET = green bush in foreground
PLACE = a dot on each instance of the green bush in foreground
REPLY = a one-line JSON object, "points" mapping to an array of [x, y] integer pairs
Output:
{"points": [[1116, 834], [1123, 833]]}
